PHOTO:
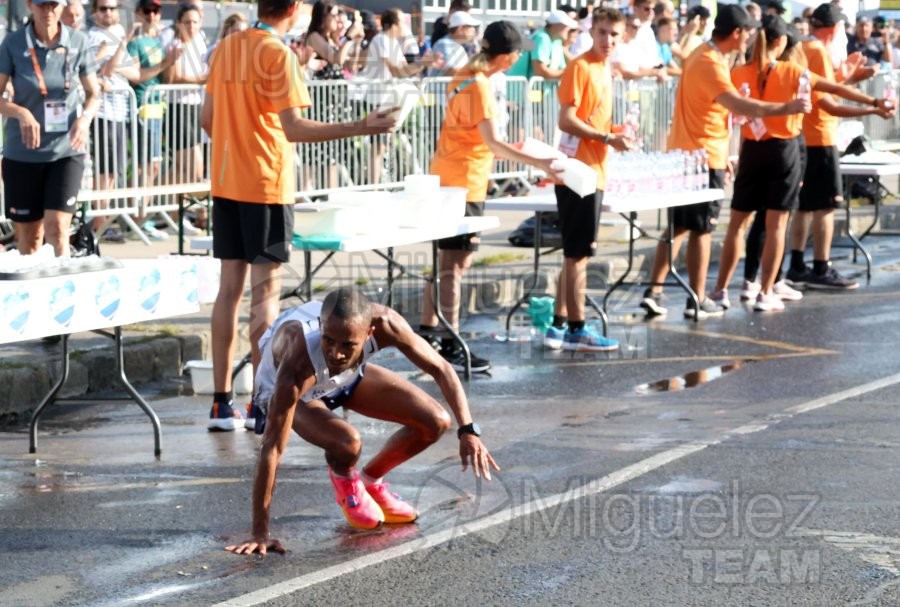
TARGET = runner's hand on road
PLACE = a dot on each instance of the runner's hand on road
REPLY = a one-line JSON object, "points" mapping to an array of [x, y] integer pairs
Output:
{"points": [[260, 545], [472, 450]]}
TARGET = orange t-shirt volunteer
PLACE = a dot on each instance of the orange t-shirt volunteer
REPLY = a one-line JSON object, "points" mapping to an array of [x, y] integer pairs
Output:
{"points": [[586, 84], [819, 127], [699, 122], [462, 158], [781, 86], [253, 77]]}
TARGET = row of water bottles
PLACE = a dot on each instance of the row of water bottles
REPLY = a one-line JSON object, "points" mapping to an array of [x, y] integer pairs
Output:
{"points": [[643, 174]]}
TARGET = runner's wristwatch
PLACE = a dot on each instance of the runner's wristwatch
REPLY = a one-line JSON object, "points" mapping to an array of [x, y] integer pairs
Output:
{"points": [[472, 428]]}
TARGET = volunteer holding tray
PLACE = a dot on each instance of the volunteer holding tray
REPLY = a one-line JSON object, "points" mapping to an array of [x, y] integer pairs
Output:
{"points": [[585, 121], [465, 153], [46, 131]]}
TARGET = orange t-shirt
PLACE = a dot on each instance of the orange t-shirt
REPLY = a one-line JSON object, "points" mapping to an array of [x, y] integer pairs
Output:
{"points": [[819, 127], [462, 158], [586, 83], [253, 77], [698, 121], [781, 86]]}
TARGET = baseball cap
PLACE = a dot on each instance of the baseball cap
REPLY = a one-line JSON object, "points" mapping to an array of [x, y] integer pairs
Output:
{"points": [[777, 5], [558, 16], [698, 11], [825, 15], [732, 17], [774, 27], [148, 3], [501, 37], [462, 18]]}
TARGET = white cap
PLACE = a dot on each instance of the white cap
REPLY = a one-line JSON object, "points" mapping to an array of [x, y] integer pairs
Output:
{"points": [[461, 18], [559, 16]]}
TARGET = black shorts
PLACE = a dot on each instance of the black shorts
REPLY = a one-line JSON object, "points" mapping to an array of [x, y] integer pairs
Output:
{"points": [[464, 242], [768, 176], [703, 216], [255, 233], [821, 189], [579, 219], [184, 125], [108, 148], [34, 187]]}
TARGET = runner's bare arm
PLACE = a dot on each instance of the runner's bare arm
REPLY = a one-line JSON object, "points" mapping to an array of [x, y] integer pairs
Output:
{"points": [[391, 329], [294, 377]]}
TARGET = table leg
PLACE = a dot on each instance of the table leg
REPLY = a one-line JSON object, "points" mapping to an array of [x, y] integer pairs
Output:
{"points": [[670, 237], [307, 270], [632, 218], [436, 292], [120, 368], [857, 245], [51, 396], [537, 263]]}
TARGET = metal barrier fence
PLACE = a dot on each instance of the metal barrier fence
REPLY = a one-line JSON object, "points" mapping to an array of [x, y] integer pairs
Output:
{"points": [[160, 146]]}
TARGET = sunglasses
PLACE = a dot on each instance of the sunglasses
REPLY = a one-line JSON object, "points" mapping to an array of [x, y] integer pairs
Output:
{"points": [[150, 11], [107, 9]]}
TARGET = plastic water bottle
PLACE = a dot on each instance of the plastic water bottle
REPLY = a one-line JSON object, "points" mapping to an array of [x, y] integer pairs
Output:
{"points": [[703, 180], [890, 87], [804, 88], [744, 90], [632, 121]]}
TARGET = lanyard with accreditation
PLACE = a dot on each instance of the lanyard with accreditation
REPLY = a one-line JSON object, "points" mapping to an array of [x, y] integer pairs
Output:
{"points": [[56, 114]]}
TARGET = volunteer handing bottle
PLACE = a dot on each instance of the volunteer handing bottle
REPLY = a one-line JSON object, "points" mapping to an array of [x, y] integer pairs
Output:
{"points": [[47, 127]]}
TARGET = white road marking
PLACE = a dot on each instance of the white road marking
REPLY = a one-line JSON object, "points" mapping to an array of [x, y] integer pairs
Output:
{"points": [[604, 484]]}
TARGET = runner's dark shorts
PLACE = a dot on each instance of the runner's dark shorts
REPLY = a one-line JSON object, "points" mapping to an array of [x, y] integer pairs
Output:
{"points": [[34, 187], [579, 219], [703, 216], [464, 242], [256, 233], [768, 177], [108, 148], [339, 398], [821, 189]]}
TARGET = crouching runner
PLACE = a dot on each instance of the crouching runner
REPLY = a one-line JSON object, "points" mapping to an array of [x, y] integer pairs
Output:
{"points": [[315, 358]]}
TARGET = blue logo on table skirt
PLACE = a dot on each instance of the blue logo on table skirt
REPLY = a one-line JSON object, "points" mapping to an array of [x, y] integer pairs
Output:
{"points": [[107, 297], [149, 290], [62, 303], [14, 308], [188, 285]]}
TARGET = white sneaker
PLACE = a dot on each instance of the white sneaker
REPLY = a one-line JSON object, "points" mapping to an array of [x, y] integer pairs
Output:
{"points": [[768, 303], [786, 293], [750, 290], [720, 298], [189, 228]]}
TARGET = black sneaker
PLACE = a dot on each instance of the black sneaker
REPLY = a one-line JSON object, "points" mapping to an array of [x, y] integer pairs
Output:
{"points": [[432, 336], [653, 303], [456, 357], [798, 278], [831, 280], [708, 308]]}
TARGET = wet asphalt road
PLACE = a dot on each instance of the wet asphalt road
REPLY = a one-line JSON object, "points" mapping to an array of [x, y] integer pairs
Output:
{"points": [[749, 460]]}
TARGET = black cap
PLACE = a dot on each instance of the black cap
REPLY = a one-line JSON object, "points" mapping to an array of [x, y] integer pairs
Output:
{"points": [[774, 27], [793, 37], [698, 11], [501, 37], [825, 15], [880, 21], [777, 5], [732, 17]]}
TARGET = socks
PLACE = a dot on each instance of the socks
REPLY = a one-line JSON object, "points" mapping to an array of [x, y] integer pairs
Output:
{"points": [[368, 481], [347, 476], [559, 321], [820, 267], [426, 328], [797, 263], [575, 326], [223, 397]]}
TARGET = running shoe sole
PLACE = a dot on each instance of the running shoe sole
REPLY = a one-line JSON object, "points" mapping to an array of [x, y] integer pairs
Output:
{"points": [[653, 308]]}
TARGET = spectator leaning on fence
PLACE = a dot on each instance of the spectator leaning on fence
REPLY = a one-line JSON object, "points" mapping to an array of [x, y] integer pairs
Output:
{"points": [[46, 132], [115, 68], [585, 119], [666, 30], [441, 24], [703, 99], [253, 110], [546, 59], [821, 191], [450, 51], [153, 58], [694, 30], [465, 153], [873, 48]]}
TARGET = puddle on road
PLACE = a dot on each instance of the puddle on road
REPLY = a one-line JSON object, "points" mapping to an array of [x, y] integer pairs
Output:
{"points": [[692, 379]]}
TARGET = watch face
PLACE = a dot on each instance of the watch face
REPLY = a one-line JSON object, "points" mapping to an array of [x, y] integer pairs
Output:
{"points": [[476, 429]]}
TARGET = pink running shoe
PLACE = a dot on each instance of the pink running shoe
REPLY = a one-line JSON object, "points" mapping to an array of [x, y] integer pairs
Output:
{"points": [[392, 505], [359, 508]]}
